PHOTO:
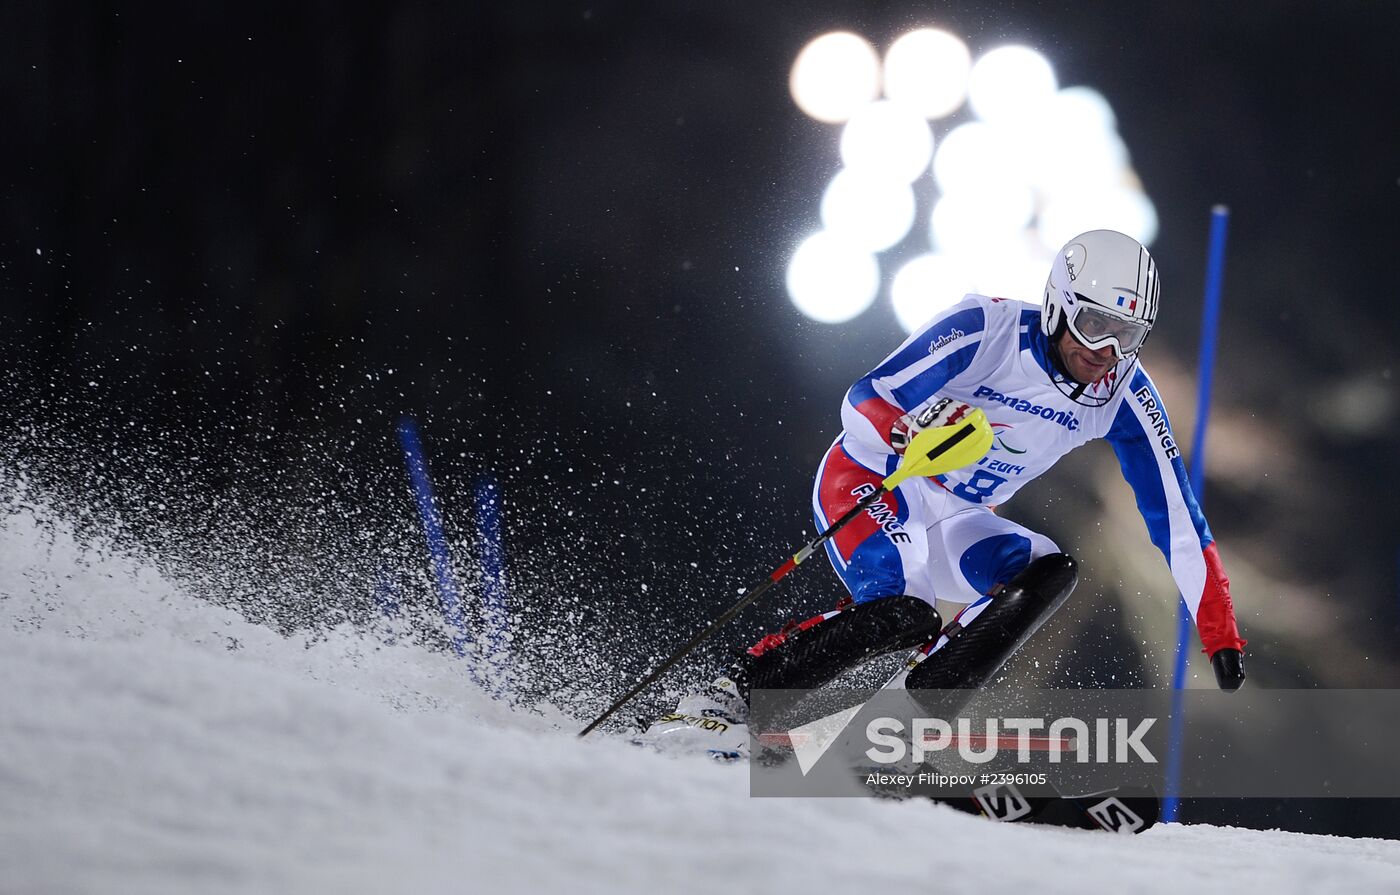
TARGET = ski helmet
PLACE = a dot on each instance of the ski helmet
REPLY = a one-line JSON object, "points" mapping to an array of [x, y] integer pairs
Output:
{"points": [[1103, 286]]}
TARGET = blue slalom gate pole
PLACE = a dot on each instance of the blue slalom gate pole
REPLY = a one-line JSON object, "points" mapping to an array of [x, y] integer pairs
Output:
{"points": [[1210, 324], [495, 618], [432, 532]]}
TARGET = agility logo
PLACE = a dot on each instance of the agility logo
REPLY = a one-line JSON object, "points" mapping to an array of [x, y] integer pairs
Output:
{"points": [[945, 340], [998, 443]]}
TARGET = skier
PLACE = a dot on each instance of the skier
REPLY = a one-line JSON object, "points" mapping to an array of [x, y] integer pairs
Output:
{"points": [[1049, 379]]}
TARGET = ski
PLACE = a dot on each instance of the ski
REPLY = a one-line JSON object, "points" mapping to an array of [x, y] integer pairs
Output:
{"points": [[1122, 809]]}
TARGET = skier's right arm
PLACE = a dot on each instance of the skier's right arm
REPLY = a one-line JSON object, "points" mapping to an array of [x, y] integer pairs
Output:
{"points": [[910, 377]]}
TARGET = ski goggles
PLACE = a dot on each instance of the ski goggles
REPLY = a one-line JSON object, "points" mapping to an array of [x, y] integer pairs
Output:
{"points": [[1095, 328]]}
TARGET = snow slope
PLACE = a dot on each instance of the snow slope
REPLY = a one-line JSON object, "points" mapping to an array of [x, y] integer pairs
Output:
{"points": [[150, 742]]}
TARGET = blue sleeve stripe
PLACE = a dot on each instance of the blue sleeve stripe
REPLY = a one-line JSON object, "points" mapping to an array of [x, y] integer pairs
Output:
{"points": [[1134, 450], [1137, 453], [959, 324], [862, 391], [927, 383], [970, 321]]}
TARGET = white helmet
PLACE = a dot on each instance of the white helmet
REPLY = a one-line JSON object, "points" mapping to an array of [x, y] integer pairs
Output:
{"points": [[1102, 287]]}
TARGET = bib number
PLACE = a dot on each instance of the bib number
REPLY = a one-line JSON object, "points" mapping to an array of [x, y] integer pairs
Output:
{"points": [[979, 487]]}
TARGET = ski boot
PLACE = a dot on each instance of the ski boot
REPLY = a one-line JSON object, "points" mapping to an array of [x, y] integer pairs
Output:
{"points": [[713, 722]]}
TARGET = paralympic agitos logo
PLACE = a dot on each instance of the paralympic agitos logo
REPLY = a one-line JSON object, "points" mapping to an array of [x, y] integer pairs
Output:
{"points": [[1000, 444]]}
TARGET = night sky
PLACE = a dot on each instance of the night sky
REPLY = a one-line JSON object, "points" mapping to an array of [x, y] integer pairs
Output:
{"points": [[238, 244]]}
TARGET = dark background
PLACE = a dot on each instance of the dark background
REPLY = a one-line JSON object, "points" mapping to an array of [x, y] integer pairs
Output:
{"points": [[239, 244]]}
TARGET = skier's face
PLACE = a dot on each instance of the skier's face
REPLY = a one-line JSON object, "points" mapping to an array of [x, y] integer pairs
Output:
{"points": [[1082, 363]]}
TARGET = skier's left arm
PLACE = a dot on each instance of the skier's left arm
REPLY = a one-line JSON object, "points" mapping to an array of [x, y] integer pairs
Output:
{"points": [[1142, 438]]}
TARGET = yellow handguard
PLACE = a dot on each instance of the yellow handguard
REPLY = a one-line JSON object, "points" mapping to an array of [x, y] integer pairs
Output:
{"points": [[944, 448]]}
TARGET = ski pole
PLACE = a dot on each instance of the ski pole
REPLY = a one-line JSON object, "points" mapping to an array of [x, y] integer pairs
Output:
{"points": [[931, 452]]}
